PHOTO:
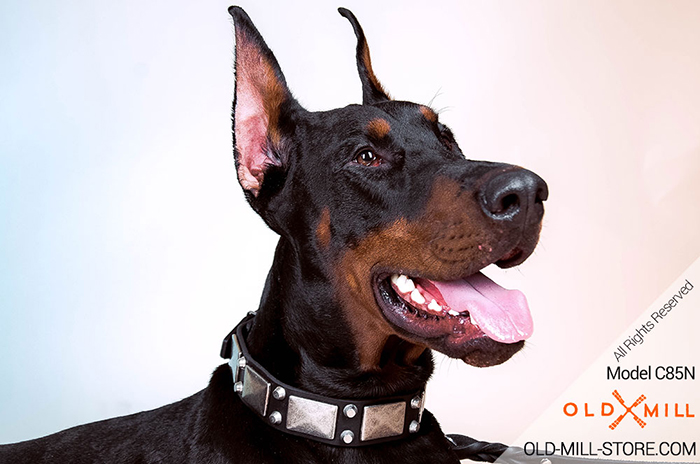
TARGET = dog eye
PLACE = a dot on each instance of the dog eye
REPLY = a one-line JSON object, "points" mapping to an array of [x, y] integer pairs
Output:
{"points": [[368, 158]]}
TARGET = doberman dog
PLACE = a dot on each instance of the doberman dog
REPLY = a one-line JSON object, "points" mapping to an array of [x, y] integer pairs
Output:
{"points": [[384, 227]]}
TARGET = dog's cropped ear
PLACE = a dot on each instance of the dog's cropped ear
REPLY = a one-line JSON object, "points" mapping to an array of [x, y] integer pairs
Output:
{"points": [[372, 90], [262, 106]]}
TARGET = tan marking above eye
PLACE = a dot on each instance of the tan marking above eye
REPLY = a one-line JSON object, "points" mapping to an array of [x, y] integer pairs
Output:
{"points": [[428, 113], [378, 128]]}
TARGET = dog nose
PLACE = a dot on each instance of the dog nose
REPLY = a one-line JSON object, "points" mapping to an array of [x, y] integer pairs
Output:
{"points": [[515, 196]]}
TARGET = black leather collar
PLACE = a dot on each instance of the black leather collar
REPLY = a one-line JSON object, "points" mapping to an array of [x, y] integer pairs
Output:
{"points": [[339, 422]]}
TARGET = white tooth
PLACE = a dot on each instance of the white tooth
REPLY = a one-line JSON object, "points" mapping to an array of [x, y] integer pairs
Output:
{"points": [[401, 283], [394, 278], [434, 306], [405, 284], [417, 297], [453, 312]]}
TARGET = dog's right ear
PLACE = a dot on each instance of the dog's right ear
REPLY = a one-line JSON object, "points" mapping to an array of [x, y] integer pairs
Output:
{"points": [[262, 107]]}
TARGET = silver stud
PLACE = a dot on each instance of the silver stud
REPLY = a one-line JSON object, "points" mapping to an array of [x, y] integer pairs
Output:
{"points": [[350, 411], [279, 393], [415, 402], [242, 362], [545, 461], [276, 417], [414, 427], [347, 436], [238, 387]]}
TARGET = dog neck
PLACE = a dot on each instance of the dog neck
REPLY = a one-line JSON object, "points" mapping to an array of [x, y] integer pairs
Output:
{"points": [[341, 422], [301, 337]]}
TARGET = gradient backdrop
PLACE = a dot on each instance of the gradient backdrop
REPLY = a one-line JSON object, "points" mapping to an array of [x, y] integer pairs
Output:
{"points": [[127, 251]]}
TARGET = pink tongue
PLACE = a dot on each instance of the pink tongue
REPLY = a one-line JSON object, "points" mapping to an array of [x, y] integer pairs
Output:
{"points": [[501, 314]]}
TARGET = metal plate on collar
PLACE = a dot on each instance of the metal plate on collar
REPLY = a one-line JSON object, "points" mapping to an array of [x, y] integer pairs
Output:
{"points": [[256, 391], [312, 417], [422, 405], [235, 354], [383, 420]]}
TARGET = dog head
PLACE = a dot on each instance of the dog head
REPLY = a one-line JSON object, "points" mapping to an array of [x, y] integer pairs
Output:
{"points": [[378, 201]]}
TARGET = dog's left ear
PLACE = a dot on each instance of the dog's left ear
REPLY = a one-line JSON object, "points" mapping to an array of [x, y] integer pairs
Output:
{"points": [[372, 90], [262, 107]]}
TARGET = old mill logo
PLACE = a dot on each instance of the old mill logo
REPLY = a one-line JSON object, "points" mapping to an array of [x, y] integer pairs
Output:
{"points": [[637, 410], [628, 410]]}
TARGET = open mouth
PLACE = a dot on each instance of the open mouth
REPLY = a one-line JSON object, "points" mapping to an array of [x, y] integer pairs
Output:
{"points": [[457, 316]]}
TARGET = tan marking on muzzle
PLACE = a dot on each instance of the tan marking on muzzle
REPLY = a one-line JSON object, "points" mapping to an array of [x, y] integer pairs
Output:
{"points": [[405, 247]]}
